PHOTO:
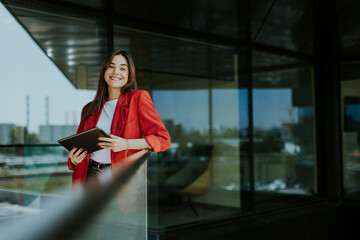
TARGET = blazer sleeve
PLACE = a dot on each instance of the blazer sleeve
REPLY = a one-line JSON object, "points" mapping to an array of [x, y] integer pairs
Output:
{"points": [[151, 125]]}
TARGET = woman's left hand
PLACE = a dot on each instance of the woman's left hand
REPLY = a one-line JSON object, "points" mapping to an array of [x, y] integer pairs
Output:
{"points": [[114, 143]]}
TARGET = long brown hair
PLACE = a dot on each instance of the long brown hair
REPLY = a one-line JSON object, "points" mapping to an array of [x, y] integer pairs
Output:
{"points": [[102, 92]]}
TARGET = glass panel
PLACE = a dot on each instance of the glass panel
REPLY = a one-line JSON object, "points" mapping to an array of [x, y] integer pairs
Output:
{"points": [[350, 102], [110, 207], [194, 87], [225, 18], [88, 3], [174, 13], [40, 106], [349, 25], [284, 146], [123, 216], [284, 24], [36, 169], [170, 57], [47, 105]]}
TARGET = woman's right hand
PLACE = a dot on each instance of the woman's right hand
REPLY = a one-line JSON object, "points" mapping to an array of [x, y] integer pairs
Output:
{"points": [[76, 157]]}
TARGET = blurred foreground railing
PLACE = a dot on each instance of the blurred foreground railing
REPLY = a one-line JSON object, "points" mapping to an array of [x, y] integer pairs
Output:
{"points": [[36, 169], [112, 205]]}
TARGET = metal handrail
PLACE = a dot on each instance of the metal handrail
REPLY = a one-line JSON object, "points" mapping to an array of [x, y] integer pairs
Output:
{"points": [[69, 219]]}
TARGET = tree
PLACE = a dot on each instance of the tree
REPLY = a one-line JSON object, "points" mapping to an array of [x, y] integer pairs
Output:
{"points": [[20, 135]]}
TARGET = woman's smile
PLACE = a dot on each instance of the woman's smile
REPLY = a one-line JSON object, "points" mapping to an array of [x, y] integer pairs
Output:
{"points": [[114, 78]]}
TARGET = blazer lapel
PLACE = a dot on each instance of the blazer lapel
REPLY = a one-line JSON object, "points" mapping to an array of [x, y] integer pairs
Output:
{"points": [[92, 121], [120, 115]]}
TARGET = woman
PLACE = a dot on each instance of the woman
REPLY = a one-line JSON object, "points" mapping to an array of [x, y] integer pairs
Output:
{"points": [[127, 114]]}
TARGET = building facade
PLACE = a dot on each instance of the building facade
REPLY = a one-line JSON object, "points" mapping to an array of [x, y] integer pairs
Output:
{"points": [[271, 86]]}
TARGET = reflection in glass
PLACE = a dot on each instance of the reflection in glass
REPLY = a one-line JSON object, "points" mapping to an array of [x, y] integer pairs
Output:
{"points": [[37, 169], [41, 105], [30, 178], [112, 206], [285, 24], [283, 132], [350, 102], [349, 30], [198, 178], [194, 87]]}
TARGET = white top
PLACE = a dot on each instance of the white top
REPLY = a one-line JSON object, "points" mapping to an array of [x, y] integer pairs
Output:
{"points": [[105, 120]]}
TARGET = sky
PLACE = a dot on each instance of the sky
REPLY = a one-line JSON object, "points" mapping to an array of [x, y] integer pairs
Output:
{"points": [[25, 70], [190, 108], [230, 107]]}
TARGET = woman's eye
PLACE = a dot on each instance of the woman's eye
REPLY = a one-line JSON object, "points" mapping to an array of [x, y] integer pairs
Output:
{"points": [[122, 69]]}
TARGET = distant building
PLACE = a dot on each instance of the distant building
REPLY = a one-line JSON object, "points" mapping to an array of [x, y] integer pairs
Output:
{"points": [[5, 129], [52, 133], [287, 131]]}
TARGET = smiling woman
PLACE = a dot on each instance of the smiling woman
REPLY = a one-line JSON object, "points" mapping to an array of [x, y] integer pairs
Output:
{"points": [[122, 111], [113, 66], [116, 75]]}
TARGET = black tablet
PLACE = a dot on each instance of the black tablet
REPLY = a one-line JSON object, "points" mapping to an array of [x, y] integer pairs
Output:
{"points": [[86, 140]]}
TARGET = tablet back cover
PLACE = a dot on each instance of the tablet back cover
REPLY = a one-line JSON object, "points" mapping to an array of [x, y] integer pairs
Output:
{"points": [[86, 140]]}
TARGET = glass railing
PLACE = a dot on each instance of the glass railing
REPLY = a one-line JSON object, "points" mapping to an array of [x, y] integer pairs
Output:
{"points": [[183, 189], [34, 168], [172, 189], [111, 206]]}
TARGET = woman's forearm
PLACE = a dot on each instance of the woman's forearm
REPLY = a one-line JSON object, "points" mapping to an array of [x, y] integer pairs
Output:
{"points": [[138, 144]]}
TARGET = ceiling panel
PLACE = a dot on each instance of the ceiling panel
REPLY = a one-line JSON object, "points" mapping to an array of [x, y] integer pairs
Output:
{"points": [[282, 23], [350, 29], [223, 18], [75, 45], [179, 57]]}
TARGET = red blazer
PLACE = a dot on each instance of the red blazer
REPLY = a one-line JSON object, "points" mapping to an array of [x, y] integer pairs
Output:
{"points": [[134, 117]]}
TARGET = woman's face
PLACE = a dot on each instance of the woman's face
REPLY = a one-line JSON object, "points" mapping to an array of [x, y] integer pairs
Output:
{"points": [[117, 72]]}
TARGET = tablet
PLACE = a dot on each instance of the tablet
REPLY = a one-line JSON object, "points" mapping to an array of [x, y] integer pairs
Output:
{"points": [[86, 140]]}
